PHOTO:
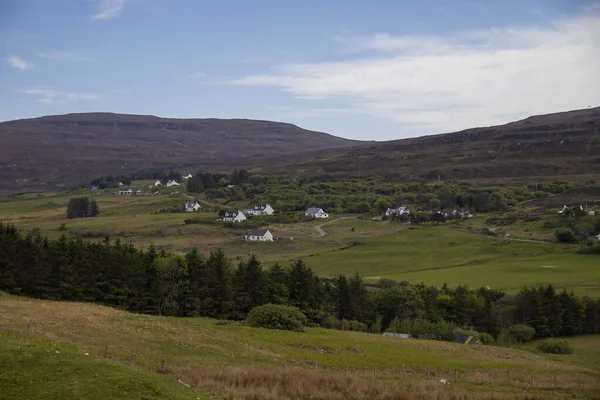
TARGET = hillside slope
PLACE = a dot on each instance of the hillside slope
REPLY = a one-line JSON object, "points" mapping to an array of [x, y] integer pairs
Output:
{"points": [[540, 147], [63, 150]]}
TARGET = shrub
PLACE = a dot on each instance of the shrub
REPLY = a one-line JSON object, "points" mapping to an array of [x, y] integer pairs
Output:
{"points": [[486, 338], [565, 236], [554, 346], [522, 333], [354, 326], [276, 316]]}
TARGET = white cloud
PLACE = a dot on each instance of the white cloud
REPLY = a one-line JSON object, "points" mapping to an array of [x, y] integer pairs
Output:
{"points": [[439, 83], [18, 62], [63, 56], [109, 9], [50, 96]]}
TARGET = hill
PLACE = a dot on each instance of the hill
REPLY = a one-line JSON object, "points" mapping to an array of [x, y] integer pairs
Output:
{"points": [[555, 146], [63, 150], [238, 362]]}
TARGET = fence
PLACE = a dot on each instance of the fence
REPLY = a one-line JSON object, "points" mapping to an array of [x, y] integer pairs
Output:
{"points": [[517, 378]]}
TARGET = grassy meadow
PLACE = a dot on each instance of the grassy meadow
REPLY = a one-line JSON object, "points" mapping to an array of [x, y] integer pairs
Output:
{"points": [[453, 253], [239, 362]]}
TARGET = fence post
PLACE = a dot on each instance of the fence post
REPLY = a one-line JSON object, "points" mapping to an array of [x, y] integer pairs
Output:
{"points": [[455, 375], [162, 364], [316, 367], [222, 368], [68, 340], [554, 381], [346, 370], [427, 372], [532, 381], [131, 361], [375, 372], [579, 382], [189, 366], [402, 374], [105, 355], [285, 369], [508, 376], [482, 377], [27, 330]]}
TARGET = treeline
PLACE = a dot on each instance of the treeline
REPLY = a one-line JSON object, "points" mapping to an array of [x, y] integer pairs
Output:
{"points": [[82, 207], [205, 181], [371, 195], [154, 282]]}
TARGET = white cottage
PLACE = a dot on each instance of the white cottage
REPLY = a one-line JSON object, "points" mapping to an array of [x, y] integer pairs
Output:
{"points": [[260, 209], [316, 213], [188, 176], [234, 216], [397, 211], [172, 183], [157, 183], [262, 235], [192, 206]]}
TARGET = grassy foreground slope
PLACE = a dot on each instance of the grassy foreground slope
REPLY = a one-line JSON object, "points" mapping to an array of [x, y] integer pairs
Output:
{"points": [[239, 362], [43, 370]]}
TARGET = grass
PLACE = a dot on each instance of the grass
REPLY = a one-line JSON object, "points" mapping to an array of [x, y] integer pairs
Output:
{"points": [[442, 254], [239, 362], [39, 369], [454, 253]]}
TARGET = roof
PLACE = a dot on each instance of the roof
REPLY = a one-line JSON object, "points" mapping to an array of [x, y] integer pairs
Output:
{"points": [[191, 203], [314, 210], [124, 189], [260, 207], [230, 214], [449, 210], [259, 232]]}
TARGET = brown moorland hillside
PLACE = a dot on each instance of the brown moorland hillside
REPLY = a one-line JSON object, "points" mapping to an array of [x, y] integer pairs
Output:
{"points": [[63, 150], [544, 147]]}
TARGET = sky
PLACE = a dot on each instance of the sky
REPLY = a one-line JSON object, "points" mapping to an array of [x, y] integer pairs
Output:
{"points": [[369, 70]]}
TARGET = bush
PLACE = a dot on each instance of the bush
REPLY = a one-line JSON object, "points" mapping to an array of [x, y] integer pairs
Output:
{"points": [[565, 236], [522, 333], [354, 326], [276, 316], [486, 338], [554, 346]]}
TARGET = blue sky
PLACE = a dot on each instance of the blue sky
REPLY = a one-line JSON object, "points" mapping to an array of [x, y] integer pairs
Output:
{"points": [[359, 69]]}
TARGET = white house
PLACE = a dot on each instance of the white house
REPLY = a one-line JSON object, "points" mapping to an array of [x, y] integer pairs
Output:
{"points": [[592, 213], [598, 237], [397, 211], [192, 206], [121, 184], [172, 183], [316, 213], [260, 209], [449, 212], [157, 183], [234, 216], [188, 176], [129, 192], [262, 235]]}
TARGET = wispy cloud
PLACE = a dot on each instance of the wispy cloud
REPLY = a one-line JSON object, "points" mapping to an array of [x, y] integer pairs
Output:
{"points": [[108, 9], [445, 82], [18, 62], [63, 56], [50, 96]]}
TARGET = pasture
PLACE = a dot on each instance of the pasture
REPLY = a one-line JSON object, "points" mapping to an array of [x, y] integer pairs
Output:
{"points": [[454, 253], [238, 362]]}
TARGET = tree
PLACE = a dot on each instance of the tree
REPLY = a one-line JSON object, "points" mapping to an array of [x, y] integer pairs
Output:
{"points": [[78, 207], [94, 209], [382, 205], [250, 286]]}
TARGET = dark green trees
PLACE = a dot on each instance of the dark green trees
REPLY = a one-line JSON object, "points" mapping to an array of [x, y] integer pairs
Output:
{"points": [[82, 207]]}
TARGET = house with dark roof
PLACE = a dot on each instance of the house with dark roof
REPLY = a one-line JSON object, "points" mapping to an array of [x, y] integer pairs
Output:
{"points": [[316, 213], [192, 206], [397, 211], [260, 209], [262, 235], [233, 216], [128, 192]]}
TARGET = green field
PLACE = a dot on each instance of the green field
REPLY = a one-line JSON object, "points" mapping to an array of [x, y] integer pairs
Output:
{"points": [[222, 359], [454, 253], [46, 370]]}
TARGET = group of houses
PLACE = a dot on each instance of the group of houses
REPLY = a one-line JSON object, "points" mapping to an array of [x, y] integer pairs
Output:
{"points": [[448, 212], [173, 182]]}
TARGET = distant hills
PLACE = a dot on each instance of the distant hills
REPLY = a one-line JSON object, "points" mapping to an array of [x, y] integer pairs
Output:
{"points": [[63, 150], [564, 145], [66, 150]]}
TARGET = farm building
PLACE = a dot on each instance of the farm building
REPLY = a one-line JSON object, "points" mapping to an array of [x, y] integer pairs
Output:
{"points": [[316, 213]]}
